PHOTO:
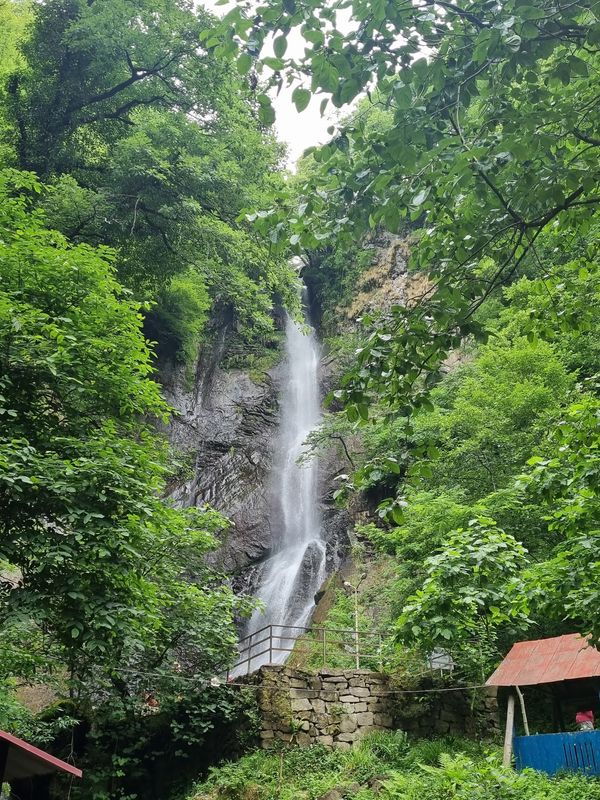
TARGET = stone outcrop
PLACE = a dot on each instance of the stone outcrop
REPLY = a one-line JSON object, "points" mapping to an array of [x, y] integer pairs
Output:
{"points": [[227, 424], [386, 282], [336, 708]]}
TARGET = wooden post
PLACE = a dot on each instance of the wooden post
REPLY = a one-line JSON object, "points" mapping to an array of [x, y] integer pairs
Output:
{"points": [[324, 650], [523, 711], [508, 732], [357, 654], [3, 759]]}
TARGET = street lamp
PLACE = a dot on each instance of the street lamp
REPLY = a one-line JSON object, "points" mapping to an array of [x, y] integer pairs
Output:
{"points": [[348, 585]]}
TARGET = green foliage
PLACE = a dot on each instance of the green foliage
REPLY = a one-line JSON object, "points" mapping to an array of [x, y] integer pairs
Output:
{"points": [[132, 749], [489, 146], [480, 426], [459, 777], [550, 307], [296, 773], [332, 275], [452, 769], [150, 149], [89, 67], [22, 722], [153, 148], [460, 154], [428, 517], [490, 414], [566, 482], [339, 637], [257, 355], [14, 18], [31, 667], [473, 588], [177, 321], [95, 559], [459, 461], [391, 747]]}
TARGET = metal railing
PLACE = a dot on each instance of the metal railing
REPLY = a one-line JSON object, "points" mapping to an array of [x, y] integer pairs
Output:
{"points": [[314, 646]]}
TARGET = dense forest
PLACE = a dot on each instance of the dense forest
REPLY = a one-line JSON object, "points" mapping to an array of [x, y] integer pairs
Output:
{"points": [[448, 233]]}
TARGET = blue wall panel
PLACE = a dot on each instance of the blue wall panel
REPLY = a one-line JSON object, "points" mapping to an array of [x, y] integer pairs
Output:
{"points": [[559, 752]]}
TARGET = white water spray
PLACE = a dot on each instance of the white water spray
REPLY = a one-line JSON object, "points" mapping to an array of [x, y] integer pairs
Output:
{"points": [[294, 573]]}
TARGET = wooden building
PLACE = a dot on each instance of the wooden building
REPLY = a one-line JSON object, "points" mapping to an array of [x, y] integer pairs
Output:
{"points": [[568, 669], [29, 770]]}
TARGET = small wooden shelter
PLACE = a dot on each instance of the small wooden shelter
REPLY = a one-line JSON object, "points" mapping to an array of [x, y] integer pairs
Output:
{"points": [[28, 769], [570, 668]]}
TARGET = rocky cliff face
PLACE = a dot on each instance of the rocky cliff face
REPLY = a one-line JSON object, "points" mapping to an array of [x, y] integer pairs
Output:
{"points": [[226, 423]]}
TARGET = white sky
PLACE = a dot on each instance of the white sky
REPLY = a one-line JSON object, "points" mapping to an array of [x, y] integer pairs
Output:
{"points": [[298, 131]]}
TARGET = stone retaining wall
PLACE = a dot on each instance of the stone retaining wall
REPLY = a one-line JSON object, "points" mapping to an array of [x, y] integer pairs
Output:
{"points": [[336, 707]]}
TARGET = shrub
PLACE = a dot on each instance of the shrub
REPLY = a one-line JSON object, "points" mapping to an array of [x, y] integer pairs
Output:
{"points": [[460, 777], [390, 747], [389, 767]]}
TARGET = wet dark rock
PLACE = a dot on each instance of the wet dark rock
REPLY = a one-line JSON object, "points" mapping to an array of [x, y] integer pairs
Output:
{"points": [[305, 577], [227, 424]]}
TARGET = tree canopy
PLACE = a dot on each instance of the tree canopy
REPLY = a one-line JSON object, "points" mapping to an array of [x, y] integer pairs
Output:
{"points": [[154, 148], [82, 474], [491, 139]]}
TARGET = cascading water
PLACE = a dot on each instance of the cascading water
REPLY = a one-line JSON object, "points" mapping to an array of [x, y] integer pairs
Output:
{"points": [[290, 578]]}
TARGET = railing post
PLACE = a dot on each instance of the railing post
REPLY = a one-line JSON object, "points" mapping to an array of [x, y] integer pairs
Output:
{"points": [[249, 644], [356, 626]]}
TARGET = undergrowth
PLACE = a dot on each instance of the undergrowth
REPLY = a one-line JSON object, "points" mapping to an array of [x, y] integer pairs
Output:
{"points": [[388, 766]]}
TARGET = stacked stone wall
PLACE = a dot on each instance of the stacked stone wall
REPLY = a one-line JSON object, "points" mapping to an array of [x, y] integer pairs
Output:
{"points": [[336, 708]]}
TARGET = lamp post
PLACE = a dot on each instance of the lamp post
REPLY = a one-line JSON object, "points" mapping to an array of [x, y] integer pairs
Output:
{"points": [[355, 589]]}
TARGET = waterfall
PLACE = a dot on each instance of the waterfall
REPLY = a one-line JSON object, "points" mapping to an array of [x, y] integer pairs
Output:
{"points": [[295, 571]]}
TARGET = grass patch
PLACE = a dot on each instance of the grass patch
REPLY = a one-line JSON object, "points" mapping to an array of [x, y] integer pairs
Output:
{"points": [[388, 766], [256, 357]]}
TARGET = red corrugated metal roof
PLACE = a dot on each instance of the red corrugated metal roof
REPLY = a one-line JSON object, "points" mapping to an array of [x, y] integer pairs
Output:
{"points": [[24, 760], [562, 658]]}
